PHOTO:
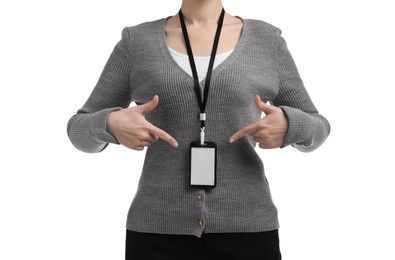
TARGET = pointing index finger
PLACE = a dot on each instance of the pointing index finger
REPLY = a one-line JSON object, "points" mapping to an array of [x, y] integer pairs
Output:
{"points": [[164, 136], [244, 131]]}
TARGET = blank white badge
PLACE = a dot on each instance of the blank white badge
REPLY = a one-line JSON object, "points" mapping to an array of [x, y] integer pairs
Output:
{"points": [[202, 165]]}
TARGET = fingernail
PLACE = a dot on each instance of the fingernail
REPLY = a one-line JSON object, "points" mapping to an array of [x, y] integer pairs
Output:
{"points": [[231, 140], [175, 144]]}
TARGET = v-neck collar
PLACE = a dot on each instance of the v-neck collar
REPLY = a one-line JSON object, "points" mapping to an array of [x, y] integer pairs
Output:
{"points": [[233, 56]]}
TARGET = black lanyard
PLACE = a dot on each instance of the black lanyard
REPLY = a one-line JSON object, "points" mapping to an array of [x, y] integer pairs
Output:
{"points": [[202, 104]]}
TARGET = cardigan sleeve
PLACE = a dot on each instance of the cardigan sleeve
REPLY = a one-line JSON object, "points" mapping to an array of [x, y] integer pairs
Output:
{"points": [[307, 129], [87, 129]]}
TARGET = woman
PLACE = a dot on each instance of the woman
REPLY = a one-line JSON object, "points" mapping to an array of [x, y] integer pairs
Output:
{"points": [[199, 98]]}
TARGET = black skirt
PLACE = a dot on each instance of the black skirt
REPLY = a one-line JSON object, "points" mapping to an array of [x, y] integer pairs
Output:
{"points": [[229, 246]]}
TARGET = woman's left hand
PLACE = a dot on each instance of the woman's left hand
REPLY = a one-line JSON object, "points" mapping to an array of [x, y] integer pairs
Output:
{"points": [[269, 131]]}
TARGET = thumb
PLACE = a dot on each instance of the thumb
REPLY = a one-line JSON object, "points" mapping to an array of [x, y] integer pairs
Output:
{"points": [[263, 106], [149, 106]]}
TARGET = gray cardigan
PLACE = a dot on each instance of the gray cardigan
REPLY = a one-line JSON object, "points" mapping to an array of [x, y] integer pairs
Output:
{"points": [[139, 67]]}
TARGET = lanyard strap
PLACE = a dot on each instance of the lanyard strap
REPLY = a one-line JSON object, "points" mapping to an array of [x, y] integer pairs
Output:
{"points": [[202, 104]]}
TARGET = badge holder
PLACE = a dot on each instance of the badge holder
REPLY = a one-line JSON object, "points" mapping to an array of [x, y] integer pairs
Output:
{"points": [[203, 164]]}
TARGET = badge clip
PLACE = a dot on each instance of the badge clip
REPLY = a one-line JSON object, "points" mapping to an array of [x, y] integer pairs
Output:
{"points": [[202, 136]]}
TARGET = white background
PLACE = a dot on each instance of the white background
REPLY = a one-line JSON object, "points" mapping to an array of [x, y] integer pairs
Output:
{"points": [[59, 203]]}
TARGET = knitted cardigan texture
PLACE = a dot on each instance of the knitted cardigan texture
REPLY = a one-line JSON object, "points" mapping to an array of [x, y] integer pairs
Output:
{"points": [[139, 67]]}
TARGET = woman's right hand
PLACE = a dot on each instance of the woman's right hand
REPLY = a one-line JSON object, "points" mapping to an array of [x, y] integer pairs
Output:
{"points": [[132, 130]]}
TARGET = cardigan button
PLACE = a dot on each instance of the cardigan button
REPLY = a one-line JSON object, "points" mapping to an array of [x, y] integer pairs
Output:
{"points": [[200, 222], [199, 197]]}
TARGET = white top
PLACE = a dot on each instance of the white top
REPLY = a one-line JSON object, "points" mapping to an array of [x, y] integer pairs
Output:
{"points": [[201, 62]]}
